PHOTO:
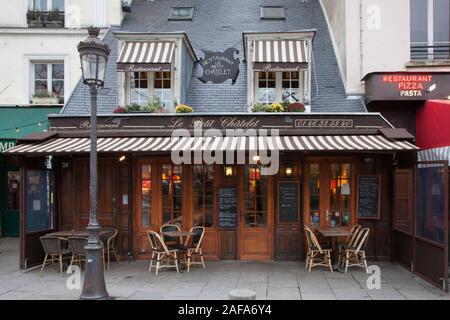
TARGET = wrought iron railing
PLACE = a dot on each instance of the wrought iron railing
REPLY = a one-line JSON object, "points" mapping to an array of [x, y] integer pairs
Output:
{"points": [[45, 19], [425, 51]]}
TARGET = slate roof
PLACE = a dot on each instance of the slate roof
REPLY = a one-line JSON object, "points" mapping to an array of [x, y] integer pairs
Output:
{"points": [[217, 25]]}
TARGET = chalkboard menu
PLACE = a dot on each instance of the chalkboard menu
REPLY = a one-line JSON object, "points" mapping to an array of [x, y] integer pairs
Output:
{"points": [[369, 196], [228, 208], [288, 201]]}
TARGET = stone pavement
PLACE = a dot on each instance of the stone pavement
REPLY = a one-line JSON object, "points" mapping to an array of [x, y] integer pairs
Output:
{"points": [[270, 280]]}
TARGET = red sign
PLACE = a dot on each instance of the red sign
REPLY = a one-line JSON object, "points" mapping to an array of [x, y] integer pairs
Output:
{"points": [[407, 86]]}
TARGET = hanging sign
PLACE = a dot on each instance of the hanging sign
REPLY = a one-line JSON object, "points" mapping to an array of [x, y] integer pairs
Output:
{"points": [[220, 66]]}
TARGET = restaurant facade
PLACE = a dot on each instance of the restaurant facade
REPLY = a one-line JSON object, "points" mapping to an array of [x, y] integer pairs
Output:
{"points": [[273, 144]]}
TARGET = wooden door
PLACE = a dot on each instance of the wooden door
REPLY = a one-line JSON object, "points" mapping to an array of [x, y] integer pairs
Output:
{"points": [[256, 215], [158, 190], [330, 192], [108, 192]]}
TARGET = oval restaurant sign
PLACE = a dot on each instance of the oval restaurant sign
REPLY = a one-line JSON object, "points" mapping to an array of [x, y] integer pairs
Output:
{"points": [[407, 86], [220, 66]]}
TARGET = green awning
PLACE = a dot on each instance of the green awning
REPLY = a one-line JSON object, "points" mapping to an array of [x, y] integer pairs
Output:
{"points": [[17, 122]]}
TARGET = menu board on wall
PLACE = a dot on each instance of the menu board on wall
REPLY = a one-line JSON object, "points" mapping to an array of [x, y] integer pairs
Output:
{"points": [[288, 201], [369, 196], [228, 208]]}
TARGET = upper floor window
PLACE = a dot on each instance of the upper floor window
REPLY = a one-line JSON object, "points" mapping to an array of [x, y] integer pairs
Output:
{"points": [[150, 87], [181, 13], [48, 5], [430, 29], [273, 12], [48, 82], [279, 87]]}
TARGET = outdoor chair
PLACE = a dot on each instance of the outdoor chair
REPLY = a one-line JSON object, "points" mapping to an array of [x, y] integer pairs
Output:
{"points": [[348, 242], [162, 253], [195, 248], [355, 255], [77, 245], [56, 249], [171, 242], [111, 246], [316, 256]]}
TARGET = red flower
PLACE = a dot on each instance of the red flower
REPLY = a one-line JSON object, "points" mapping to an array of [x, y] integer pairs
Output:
{"points": [[296, 107], [120, 110]]}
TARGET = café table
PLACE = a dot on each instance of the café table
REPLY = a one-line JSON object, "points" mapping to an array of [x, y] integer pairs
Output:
{"points": [[103, 234], [332, 234], [177, 234]]}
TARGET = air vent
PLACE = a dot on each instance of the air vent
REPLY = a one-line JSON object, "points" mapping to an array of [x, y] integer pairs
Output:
{"points": [[273, 13], [181, 13]]}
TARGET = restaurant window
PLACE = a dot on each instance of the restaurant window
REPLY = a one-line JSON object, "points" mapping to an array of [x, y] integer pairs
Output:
{"points": [[146, 195], [48, 5], [430, 32], [314, 194], [149, 87], [204, 195], [48, 80], [172, 194], [278, 87], [13, 182], [255, 197], [340, 194]]}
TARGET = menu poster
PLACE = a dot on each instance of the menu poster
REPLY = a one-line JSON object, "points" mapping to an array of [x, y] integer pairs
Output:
{"points": [[369, 196], [228, 208]]}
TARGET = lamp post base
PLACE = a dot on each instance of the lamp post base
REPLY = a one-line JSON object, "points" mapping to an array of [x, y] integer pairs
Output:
{"points": [[94, 287]]}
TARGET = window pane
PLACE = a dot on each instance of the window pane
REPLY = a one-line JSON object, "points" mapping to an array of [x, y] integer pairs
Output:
{"points": [[58, 71], [146, 194], [13, 190], [40, 71], [172, 193], [40, 5], [419, 21], [255, 197], [204, 195], [340, 194], [58, 5], [139, 88], [441, 23], [314, 194], [58, 88], [40, 86]]}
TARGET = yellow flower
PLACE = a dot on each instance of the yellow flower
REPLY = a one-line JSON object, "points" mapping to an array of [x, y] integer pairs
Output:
{"points": [[276, 107], [182, 108]]}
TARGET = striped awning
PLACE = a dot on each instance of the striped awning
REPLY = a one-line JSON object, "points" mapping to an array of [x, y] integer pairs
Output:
{"points": [[277, 55], [244, 143], [146, 56], [434, 154]]}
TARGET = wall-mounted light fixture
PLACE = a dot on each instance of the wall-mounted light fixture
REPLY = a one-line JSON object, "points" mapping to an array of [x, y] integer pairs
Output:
{"points": [[289, 171], [122, 158], [228, 171]]}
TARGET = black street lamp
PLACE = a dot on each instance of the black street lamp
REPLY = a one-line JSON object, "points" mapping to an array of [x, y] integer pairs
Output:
{"points": [[94, 56]]}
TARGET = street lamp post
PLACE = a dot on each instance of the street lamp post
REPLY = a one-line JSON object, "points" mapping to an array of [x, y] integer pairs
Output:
{"points": [[94, 56]]}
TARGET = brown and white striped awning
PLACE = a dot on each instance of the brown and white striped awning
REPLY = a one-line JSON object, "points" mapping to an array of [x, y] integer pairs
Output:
{"points": [[244, 143], [280, 55], [146, 56]]}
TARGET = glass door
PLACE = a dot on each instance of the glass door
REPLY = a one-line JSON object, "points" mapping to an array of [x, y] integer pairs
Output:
{"points": [[330, 192]]}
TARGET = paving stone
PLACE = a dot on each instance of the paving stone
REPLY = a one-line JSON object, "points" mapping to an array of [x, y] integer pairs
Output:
{"points": [[351, 294], [318, 296], [277, 293]]}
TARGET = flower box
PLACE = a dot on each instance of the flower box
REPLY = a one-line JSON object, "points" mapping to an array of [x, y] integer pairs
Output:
{"points": [[45, 100]]}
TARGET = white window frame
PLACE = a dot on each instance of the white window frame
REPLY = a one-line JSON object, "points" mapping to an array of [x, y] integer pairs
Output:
{"points": [[151, 88], [279, 86], [49, 5], [430, 28], [49, 75]]}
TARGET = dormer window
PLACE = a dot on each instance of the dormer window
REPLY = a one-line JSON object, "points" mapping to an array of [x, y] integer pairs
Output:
{"points": [[280, 68]]}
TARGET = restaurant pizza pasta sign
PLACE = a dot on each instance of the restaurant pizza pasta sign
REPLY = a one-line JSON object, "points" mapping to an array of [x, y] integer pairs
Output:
{"points": [[407, 86]]}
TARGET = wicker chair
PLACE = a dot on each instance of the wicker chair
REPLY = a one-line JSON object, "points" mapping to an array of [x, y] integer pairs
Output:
{"points": [[195, 248], [56, 249], [162, 253], [348, 242], [316, 256], [77, 245], [110, 246], [355, 255], [171, 242]]}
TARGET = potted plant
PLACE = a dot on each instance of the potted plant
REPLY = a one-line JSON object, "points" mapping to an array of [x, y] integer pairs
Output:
{"points": [[260, 107], [276, 107], [54, 19], [182, 108], [44, 98], [133, 108], [120, 110], [35, 19], [296, 107]]}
